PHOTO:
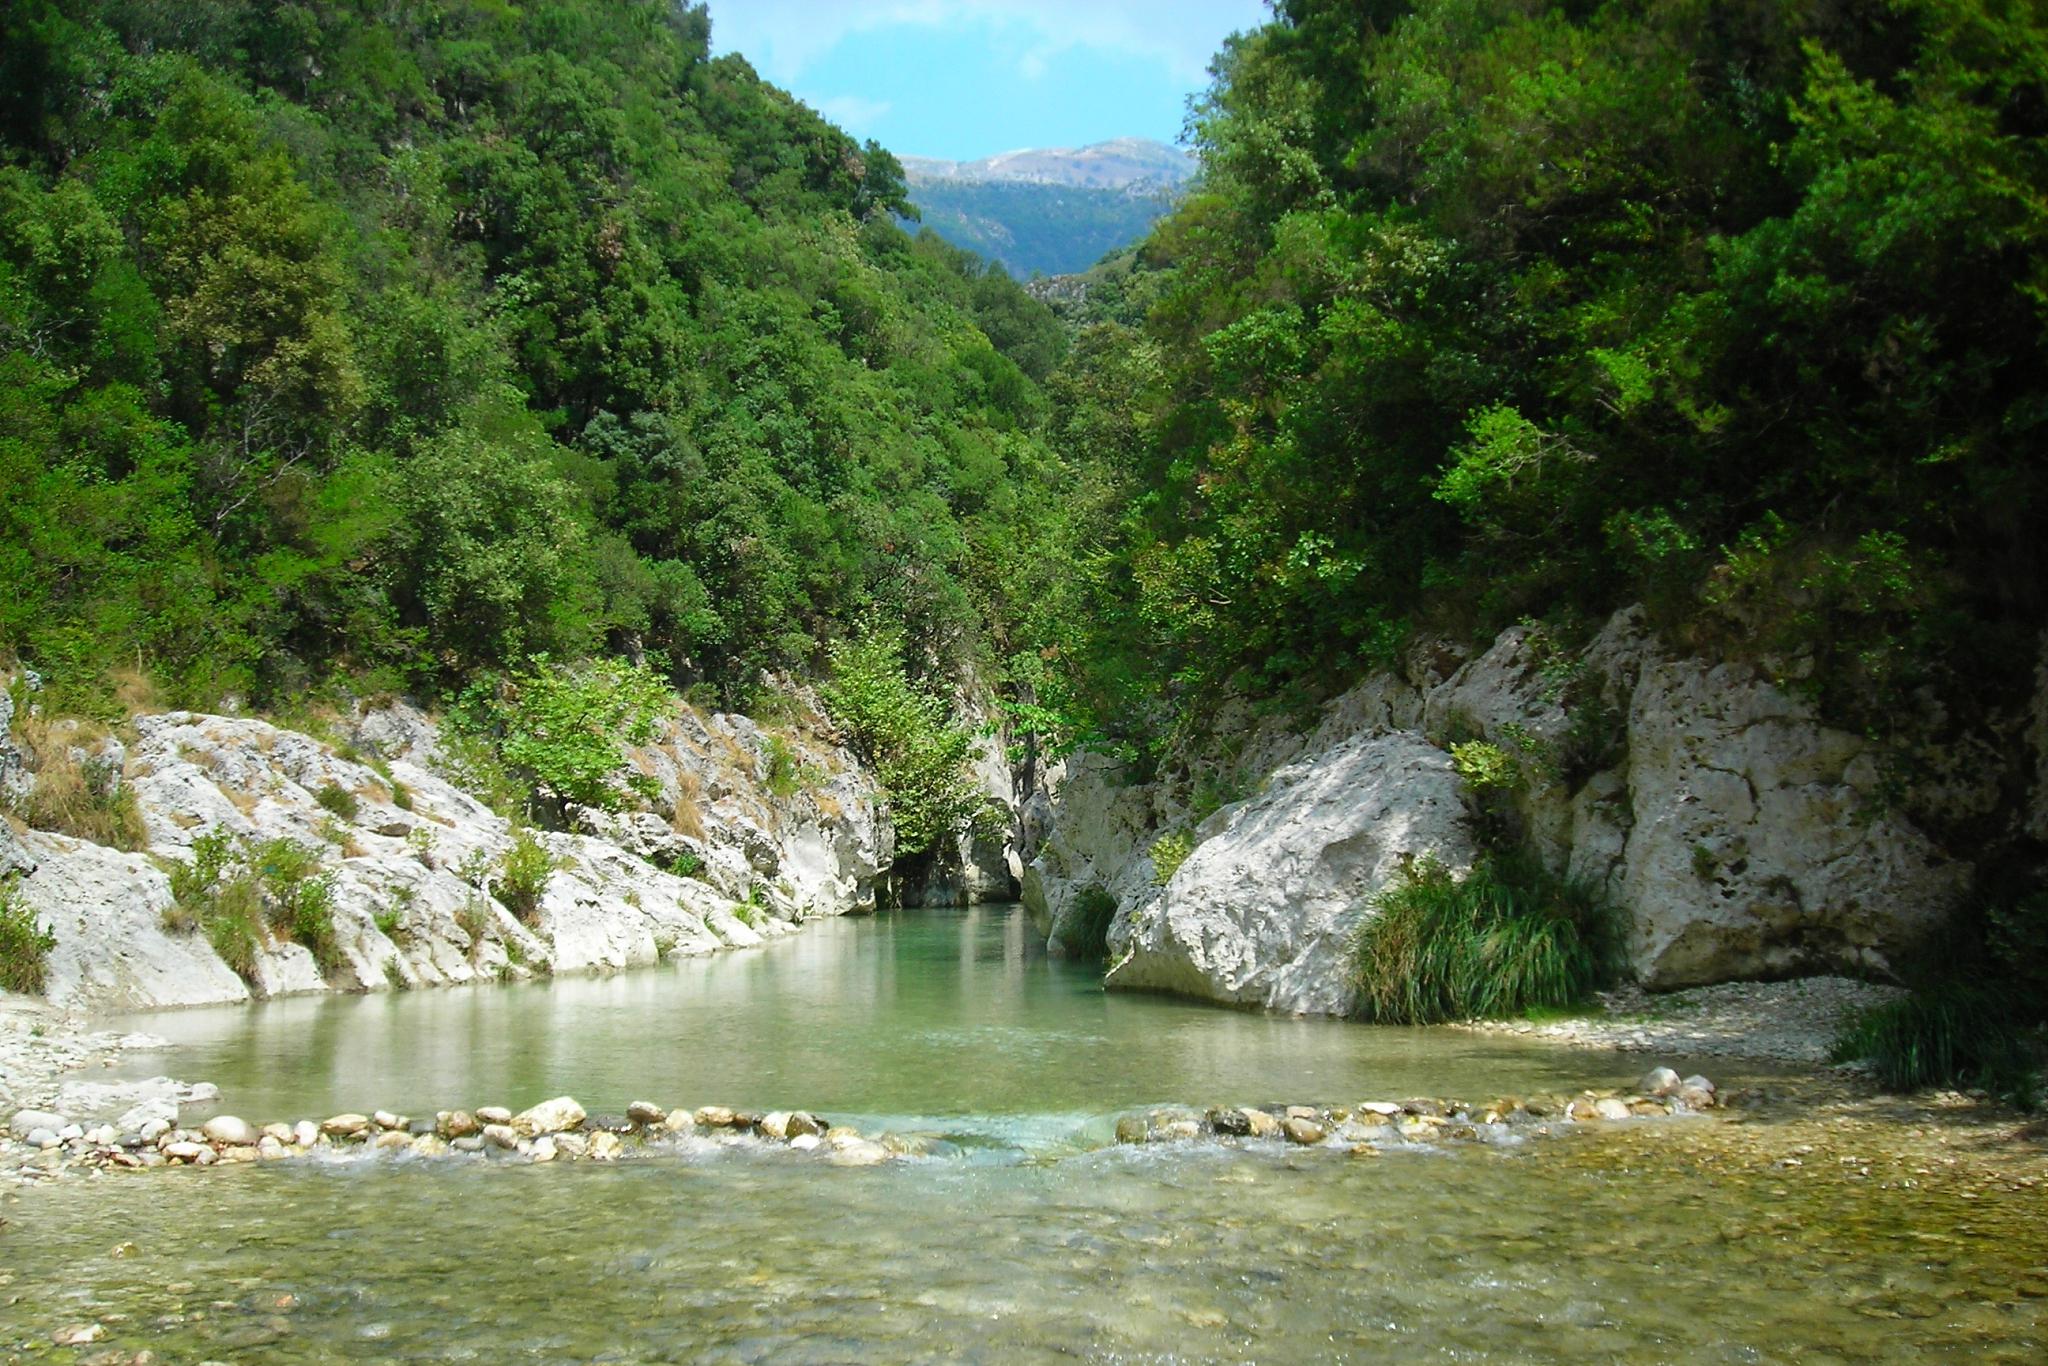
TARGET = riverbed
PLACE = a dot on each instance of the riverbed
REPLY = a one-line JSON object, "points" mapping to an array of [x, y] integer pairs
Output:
{"points": [[1783, 1238]]}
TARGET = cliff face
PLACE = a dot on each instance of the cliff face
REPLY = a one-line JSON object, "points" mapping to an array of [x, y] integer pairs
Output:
{"points": [[1743, 836], [415, 866]]}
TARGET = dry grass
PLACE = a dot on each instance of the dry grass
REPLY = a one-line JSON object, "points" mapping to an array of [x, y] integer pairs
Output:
{"points": [[136, 691], [85, 799], [688, 817]]}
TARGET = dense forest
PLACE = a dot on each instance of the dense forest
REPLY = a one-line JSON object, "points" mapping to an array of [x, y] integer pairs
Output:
{"points": [[395, 343], [1490, 309], [398, 342]]}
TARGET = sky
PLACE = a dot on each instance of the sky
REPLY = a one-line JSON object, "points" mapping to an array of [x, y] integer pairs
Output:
{"points": [[962, 79]]}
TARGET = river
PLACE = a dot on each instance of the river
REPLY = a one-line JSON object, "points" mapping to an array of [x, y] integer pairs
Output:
{"points": [[1030, 1241]]}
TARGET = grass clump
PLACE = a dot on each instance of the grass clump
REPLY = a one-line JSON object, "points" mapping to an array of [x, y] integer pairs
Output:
{"points": [[77, 793], [24, 945], [1508, 938], [1087, 934], [1949, 1034], [1169, 852], [523, 875], [338, 800]]}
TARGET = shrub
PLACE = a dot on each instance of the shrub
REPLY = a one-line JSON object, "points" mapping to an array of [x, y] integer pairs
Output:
{"points": [[1507, 938], [523, 875], [193, 883], [1947, 1034], [338, 800], [1169, 852], [24, 945], [785, 773], [233, 921], [1087, 935], [1486, 767], [686, 863], [299, 900], [473, 918], [904, 735], [560, 728]]}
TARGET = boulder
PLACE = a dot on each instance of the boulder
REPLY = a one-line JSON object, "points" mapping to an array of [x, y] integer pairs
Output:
{"points": [[231, 1131], [549, 1117], [1261, 913]]}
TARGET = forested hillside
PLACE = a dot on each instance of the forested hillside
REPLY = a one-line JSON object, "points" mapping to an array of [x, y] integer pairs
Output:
{"points": [[1504, 309], [397, 342]]}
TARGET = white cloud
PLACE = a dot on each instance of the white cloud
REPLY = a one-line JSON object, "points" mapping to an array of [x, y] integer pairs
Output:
{"points": [[855, 113], [782, 38]]}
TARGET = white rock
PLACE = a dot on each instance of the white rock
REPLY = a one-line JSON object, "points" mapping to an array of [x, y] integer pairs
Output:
{"points": [[25, 1121], [1659, 1081], [549, 1117], [231, 1130]]}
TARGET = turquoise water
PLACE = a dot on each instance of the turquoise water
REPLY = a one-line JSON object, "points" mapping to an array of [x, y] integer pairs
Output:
{"points": [[1657, 1242]]}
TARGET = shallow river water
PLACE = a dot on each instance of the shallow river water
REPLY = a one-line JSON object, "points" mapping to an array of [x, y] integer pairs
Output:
{"points": [[1641, 1243]]}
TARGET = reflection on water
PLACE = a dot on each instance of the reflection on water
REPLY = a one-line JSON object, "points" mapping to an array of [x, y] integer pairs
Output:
{"points": [[943, 1014]]}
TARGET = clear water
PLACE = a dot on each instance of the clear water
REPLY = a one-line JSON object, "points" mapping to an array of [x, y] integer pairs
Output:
{"points": [[1644, 1242], [955, 1018]]}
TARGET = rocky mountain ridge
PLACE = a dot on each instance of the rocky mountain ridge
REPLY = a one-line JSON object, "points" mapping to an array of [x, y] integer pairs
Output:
{"points": [[1118, 164]]}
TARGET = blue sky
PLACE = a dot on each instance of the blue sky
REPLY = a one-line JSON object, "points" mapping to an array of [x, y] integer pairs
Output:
{"points": [[968, 78]]}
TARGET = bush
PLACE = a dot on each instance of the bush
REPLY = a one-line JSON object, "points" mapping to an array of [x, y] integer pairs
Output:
{"points": [[233, 921], [1169, 852], [1087, 935], [299, 900], [1948, 1034], [559, 728], [904, 735], [335, 798], [785, 773], [24, 945], [1507, 938], [523, 875]]}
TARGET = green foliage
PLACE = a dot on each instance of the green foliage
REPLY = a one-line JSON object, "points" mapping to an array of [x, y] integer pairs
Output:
{"points": [[686, 863], [561, 728], [1087, 930], [298, 898], [232, 917], [24, 944], [339, 800], [1950, 1034], [903, 733], [407, 345], [1169, 852], [523, 875], [1507, 938], [1486, 767], [786, 772]]}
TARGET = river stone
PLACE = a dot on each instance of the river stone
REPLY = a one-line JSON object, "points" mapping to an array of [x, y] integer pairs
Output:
{"points": [[679, 1122], [1659, 1081], [186, 1151], [1693, 1098], [305, 1133], [79, 1334], [429, 1145], [1131, 1129], [802, 1122], [1610, 1108], [549, 1117], [543, 1149], [468, 1143], [775, 1124], [456, 1124], [804, 1143], [715, 1117], [572, 1145], [1303, 1131], [392, 1141], [839, 1131], [1699, 1083], [239, 1153], [604, 1146], [384, 1119], [346, 1126], [501, 1136], [270, 1148], [420, 1128], [231, 1131], [42, 1138], [281, 1132], [493, 1114], [645, 1113], [26, 1120], [860, 1153], [1232, 1123]]}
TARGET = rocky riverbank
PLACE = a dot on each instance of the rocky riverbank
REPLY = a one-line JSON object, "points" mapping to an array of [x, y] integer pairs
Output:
{"points": [[44, 1144]]}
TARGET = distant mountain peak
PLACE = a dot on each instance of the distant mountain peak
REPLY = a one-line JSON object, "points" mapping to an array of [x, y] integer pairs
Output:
{"points": [[1118, 164]]}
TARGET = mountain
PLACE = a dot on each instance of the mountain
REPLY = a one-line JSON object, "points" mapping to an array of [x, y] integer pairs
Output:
{"points": [[1050, 210], [1119, 164]]}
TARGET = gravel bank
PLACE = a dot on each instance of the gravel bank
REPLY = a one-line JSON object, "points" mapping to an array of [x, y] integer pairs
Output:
{"points": [[43, 1047], [1788, 1022]]}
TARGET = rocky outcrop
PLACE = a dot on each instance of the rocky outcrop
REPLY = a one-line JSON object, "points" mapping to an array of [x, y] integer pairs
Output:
{"points": [[1743, 836], [414, 865], [1264, 907]]}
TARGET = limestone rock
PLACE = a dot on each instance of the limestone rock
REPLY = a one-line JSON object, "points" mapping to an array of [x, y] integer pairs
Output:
{"points": [[231, 1130], [548, 1117], [1262, 910]]}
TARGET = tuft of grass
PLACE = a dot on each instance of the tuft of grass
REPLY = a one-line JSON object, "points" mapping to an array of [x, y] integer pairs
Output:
{"points": [[686, 863], [338, 801], [1169, 852], [81, 797], [523, 876], [233, 921], [24, 945], [1947, 1034], [1087, 935], [1506, 939], [473, 918]]}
